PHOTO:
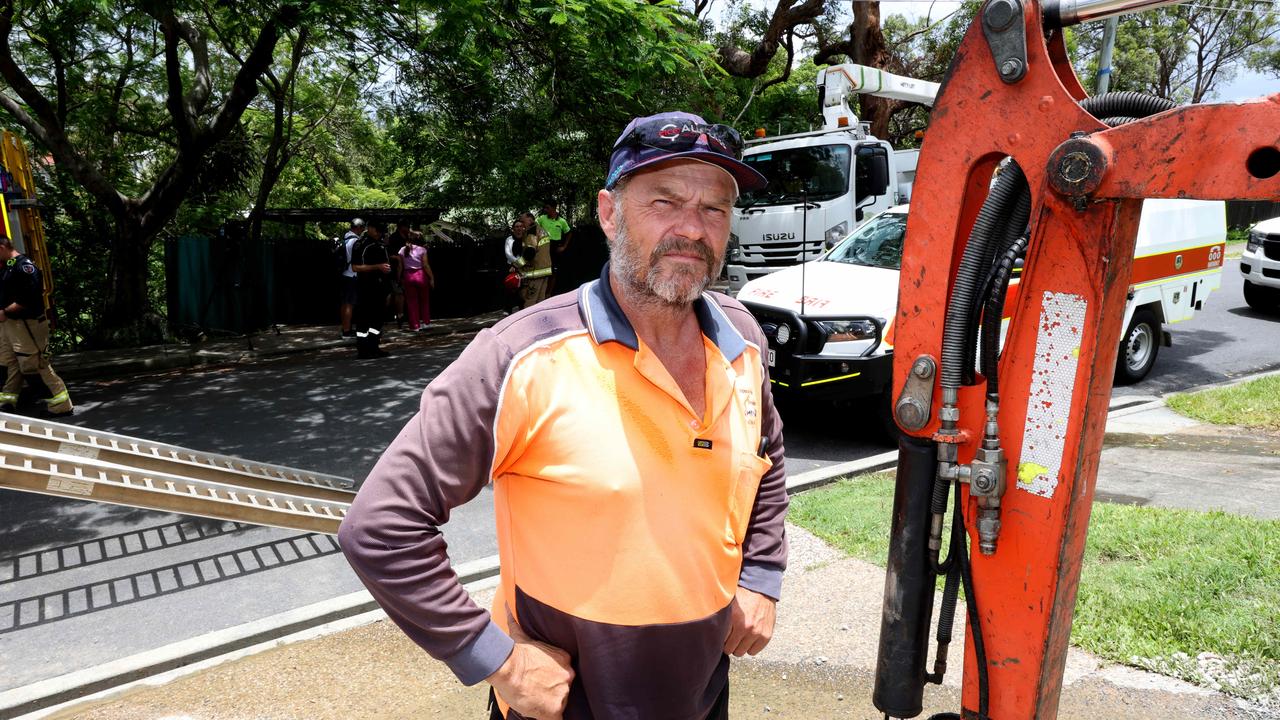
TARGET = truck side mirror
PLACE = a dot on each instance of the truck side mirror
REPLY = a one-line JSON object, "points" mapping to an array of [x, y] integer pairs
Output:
{"points": [[872, 171], [878, 174], [858, 215]]}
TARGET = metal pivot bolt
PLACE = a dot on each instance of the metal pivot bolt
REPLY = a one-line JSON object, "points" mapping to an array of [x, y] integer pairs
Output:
{"points": [[984, 482], [1075, 167], [1000, 14], [912, 413], [1011, 67], [923, 368]]}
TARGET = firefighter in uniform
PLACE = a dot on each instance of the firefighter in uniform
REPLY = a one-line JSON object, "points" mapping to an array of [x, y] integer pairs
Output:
{"points": [[372, 265], [536, 277], [24, 331]]}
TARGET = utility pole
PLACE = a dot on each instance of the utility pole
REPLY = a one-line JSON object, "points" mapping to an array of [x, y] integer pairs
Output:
{"points": [[1104, 57]]}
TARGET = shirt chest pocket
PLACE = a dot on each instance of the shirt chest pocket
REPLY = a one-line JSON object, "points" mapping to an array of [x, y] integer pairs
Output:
{"points": [[747, 474]]}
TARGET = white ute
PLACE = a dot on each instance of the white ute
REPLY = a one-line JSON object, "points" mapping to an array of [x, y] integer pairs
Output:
{"points": [[1260, 266], [829, 322]]}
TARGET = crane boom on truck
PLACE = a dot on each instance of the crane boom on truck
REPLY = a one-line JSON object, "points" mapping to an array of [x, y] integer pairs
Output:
{"points": [[822, 183]]}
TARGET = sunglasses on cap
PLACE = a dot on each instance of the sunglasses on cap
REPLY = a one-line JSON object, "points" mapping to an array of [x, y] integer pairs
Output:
{"points": [[681, 135]]}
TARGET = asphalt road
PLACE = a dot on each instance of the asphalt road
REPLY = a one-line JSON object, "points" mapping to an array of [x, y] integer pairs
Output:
{"points": [[1226, 340], [325, 412]]}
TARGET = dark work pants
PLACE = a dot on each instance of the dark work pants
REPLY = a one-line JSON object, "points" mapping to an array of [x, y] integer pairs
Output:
{"points": [[371, 307], [720, 711]]}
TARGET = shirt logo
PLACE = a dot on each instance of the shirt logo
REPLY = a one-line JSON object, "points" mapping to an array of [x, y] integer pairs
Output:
{"points": [[702, 443], [750, 406]]}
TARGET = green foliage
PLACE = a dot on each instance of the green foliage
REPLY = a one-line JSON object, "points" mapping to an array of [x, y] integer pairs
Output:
{"points": [[513, 103]]}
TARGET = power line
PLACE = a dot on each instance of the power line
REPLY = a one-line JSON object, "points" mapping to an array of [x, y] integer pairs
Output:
{"points": [[1231, 9]]}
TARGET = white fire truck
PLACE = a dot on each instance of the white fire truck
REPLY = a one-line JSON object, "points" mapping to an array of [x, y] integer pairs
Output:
{"points": [[830, 322]]}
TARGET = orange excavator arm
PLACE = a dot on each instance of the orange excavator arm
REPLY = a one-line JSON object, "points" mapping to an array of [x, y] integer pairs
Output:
{"points": [[1012, 434]]}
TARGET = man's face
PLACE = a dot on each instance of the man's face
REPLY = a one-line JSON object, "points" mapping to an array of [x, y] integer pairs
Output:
{"points": [[667, 238], [551, 211]]}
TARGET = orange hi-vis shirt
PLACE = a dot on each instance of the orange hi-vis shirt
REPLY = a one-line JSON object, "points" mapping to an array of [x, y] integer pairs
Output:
{"points": [[625, 522]]}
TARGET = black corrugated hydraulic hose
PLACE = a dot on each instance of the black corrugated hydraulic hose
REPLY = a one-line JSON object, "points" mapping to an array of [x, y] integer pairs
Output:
{"points": [[993, 315], [946, 622], [1126, 104], [1012, 227], [956, 332]]}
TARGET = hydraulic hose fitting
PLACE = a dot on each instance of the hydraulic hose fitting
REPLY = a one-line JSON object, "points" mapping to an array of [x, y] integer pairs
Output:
{"points": [[991, 432], [949, 468], [987, 482]]}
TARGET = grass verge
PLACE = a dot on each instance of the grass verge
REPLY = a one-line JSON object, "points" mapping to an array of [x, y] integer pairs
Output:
{"points": [[1195, 595], [1252, 404]]}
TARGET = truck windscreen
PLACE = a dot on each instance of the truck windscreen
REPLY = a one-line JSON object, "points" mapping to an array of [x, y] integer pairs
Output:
{"points": [[796, 174], [876, 243]]}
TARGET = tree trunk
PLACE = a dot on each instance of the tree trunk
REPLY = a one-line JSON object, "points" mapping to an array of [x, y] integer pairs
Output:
{"points": [[128, 316], [870, 50]]}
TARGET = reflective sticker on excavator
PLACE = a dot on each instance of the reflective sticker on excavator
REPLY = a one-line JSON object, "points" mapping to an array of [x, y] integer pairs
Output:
{"points": [[1053, 383]]}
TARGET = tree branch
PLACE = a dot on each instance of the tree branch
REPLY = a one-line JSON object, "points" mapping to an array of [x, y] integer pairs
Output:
{"points": [[44, 125], [786, 17], [184, 123]]}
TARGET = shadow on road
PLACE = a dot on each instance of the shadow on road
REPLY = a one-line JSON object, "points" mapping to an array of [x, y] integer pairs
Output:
{"points": [[27, 612], [1248, 312], [40, 563]]}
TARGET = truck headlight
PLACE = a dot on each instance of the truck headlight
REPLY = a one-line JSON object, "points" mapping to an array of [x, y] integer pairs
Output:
{"points": [[835, 234], [783, 334], [847, 330], [733, 251], [1254, 242]]}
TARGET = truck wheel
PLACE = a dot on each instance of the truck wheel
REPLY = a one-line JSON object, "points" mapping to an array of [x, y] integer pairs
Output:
{"points": [[1262, 299], [1138, 347]]}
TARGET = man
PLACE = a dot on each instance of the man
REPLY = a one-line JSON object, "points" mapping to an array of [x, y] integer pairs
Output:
{"points": [[535, 278], [349, 277], [24, 333], [636, 462], [554, 229], [372, 266]]}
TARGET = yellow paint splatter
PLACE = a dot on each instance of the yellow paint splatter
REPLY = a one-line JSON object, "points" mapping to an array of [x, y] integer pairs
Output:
{"points": [[1075, 352], [1029, 471]]}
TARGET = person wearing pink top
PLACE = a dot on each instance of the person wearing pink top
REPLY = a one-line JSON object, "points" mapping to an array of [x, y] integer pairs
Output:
{"points": [[418, 281]]}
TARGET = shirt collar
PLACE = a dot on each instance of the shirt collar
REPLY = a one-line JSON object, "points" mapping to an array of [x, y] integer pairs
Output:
{"points": [[607, 323]]}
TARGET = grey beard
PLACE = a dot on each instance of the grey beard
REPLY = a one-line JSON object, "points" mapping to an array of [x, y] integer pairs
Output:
{"points": [[676, 289]]}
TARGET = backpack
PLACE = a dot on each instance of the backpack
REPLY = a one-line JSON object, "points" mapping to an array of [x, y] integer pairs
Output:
{"points": [[339, 255]]}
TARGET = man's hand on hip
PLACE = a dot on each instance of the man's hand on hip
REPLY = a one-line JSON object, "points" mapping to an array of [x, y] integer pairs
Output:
{"points": [[751, 617], [536, 677]]}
